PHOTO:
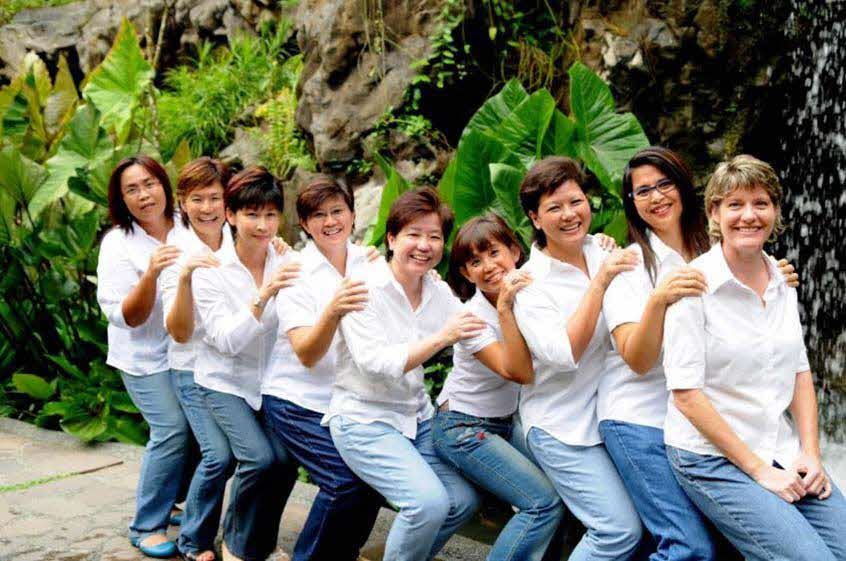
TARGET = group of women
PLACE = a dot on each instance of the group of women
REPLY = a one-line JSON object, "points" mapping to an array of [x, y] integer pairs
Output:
{"points": [[660, 394]]}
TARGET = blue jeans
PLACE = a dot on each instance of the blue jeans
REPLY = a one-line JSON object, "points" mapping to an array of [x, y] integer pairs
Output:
{"points": [[164, 461], [432, 499], [205, 493], [345, 509], [262, 482], [676, 525], [479, 449], [759, 523], [588, 482]]}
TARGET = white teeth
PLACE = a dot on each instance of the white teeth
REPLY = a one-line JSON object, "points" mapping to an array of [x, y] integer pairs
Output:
{"points": [[331, 232], [660, 209], [572, 228]]}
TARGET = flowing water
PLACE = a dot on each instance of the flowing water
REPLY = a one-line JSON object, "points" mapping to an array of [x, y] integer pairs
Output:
{"points": [[814, 175]]}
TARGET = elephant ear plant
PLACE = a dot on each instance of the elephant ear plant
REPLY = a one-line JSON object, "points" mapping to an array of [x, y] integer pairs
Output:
{"points": [[511, 131], [57, 150]]}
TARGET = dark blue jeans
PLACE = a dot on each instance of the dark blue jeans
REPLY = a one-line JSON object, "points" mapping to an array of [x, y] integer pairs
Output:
{"points": [[262, 482], [677, 526], [479, 449], [345, 509]]}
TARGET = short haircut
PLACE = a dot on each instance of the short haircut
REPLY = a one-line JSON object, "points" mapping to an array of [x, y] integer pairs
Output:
{"points": [[742, 172], [414, 204], [544, 178], [253, 187], [118, 211], [199, 174], [318, 191], [476, 235]]}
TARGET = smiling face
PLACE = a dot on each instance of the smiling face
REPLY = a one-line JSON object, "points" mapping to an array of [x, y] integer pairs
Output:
{"points": [[563, 215], [255, 226], [418, 246], [661, 211], [746, 218], [205, 210], [486, 268], [330, 225], [142, 194]]}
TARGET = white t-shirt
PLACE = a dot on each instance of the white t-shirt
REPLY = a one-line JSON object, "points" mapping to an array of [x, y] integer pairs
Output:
{"points": [[370, 385], [623, 394], [301, 306], [236, 347], [473, 388], [742, 354], [123, 259], [562, 399], [182, 356]]}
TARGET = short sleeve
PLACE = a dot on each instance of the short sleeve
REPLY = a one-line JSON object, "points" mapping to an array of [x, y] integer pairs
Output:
{"points": [[116, 276], [625, 299], [369, 345], [684, 344], [296, 307], [544, 328]]}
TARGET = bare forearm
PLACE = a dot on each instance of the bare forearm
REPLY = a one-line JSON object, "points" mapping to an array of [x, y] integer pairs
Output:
{"points": [[805, 413], [641, 343], [581, 324], [312, 343], [180, 320], [699, 410], [139, 303], [517, 359]]}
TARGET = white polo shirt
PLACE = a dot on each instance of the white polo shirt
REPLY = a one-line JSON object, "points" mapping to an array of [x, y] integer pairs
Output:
{"points": [[623, 394], [562, 399], [182, 356], [742, 354], [301, 306], [472, 388], [236, 347], [370, 385], [123, 258]]}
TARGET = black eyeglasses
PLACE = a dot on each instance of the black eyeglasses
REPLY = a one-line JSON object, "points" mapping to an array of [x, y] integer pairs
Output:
{"points": [[663, 186]]}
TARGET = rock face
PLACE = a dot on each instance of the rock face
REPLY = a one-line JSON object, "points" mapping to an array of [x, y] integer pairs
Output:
{"points": [[356, 66], [83, 31]]}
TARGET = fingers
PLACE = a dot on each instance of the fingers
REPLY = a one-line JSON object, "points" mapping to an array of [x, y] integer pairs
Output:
{"points": [[792, 280], [280, 245], [796, 488], [826, 490]]}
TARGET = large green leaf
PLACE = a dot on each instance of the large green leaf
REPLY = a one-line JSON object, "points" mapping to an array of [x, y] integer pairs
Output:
{"points": [[84, 145], [20, 177], [605, 140], [496, 109], [7, 96], [34, 386], [505, 180], [524, 129], [85, 427], [395, 186], [118, 83], [7, 218], [16, 116], [61, 101], [128, 430], [560, 137]]}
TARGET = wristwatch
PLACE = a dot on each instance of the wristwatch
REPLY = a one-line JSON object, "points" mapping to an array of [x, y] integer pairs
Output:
{"points": [[258, 302]]}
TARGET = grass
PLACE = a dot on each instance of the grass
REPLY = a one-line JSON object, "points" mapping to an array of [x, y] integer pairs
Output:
{"points": [[8, 8]]}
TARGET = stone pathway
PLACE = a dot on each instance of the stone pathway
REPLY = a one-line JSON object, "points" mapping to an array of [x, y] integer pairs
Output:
{"points": [[63, 500]]}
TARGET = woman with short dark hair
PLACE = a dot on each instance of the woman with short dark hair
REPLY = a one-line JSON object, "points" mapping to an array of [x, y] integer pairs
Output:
{"points": [[132, 256]]}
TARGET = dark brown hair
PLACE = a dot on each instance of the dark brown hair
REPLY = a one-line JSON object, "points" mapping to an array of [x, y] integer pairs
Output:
{"points": [[118, 212], [318, 191], [199, 174], [410, 206], [544, 178], [676, 170], [253, 187], [475, 236]]}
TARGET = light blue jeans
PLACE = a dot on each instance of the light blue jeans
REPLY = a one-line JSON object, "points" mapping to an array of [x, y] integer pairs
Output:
{"points": [[479, 449], [432, 499], [591, 488], [759, 523], [676, 525], [167, 455]]}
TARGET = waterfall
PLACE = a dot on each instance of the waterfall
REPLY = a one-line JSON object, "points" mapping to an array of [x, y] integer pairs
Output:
{"points": [[814, 176]]}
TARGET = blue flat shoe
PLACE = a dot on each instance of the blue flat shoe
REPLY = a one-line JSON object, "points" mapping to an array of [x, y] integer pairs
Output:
{"points": [[159, 551], [176, 519]]}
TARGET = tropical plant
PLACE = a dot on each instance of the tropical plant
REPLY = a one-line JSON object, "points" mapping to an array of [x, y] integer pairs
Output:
{"points": [[511, 131]]}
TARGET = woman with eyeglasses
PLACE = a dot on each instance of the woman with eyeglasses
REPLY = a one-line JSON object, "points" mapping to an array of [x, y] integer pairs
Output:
{"points": [[132, 256], [667, 228]]}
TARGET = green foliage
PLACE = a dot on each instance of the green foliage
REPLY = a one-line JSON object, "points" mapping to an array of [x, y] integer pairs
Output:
{"points": [[203, 103]]}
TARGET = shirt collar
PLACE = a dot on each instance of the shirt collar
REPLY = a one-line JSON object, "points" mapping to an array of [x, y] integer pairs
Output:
{"points": [[542, 264], [481, 304], [385, 278], [662, 251], [720, 273], [228, 255], [312, 258]]}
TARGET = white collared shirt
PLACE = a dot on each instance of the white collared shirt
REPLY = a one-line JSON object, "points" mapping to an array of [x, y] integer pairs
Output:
{"points": [[236, 347], [562, 399], [182, 356], [742, 354], [623, 394], [472, 388], [301, 306], [124, 258], [370, 385]]}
